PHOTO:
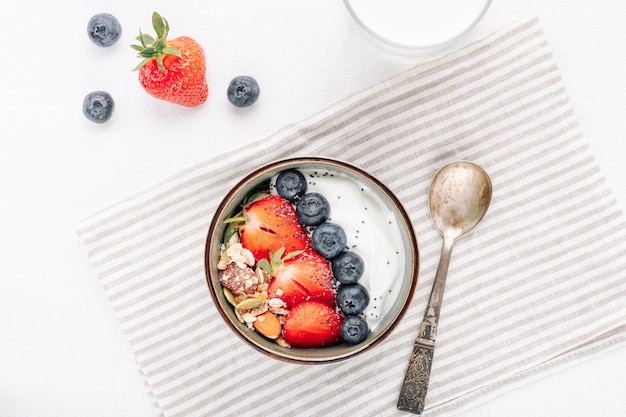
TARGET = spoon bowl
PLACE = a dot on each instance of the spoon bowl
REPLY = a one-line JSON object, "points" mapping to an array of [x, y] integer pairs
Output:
{"points": [[458, 199]]}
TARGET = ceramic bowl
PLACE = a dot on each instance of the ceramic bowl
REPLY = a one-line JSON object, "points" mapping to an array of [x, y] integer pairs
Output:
{"points": [[391, 291]]}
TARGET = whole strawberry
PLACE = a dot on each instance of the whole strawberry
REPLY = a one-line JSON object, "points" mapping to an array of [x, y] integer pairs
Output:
{"points": [[173, 70]]}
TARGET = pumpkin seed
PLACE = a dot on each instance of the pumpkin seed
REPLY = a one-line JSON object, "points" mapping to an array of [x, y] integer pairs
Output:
{"points": [[249, 304], [229, 296]]}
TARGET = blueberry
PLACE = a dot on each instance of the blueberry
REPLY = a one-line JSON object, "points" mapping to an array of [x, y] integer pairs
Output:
{"points": [[291, 184], [312, 209], [352, 298], [243, 91], [329, 240], [104, 29], [98, 106], [354, 329], [347, 267]]}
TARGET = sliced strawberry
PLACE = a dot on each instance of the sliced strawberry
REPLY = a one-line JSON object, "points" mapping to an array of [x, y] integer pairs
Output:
{"points": [[301, 276], [312, 325], [271, 223]]}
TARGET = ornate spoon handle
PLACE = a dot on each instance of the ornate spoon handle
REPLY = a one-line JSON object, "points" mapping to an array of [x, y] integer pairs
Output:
{"points": [[415, 385], [413, 392]]}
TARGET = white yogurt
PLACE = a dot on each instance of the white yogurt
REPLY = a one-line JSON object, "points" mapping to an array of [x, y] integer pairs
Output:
{"points": [[417, 23], [373, 232]]}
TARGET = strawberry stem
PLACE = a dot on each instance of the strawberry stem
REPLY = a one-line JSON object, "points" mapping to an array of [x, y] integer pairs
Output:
{"points": [[277, 259], [152, 48], [236, 219]]}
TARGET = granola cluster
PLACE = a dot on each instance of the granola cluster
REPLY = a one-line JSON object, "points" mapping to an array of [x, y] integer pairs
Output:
{"points": [[245, 286]]}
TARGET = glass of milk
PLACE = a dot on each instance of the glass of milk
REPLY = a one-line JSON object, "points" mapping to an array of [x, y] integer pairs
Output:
{"points": [[417, 24]]}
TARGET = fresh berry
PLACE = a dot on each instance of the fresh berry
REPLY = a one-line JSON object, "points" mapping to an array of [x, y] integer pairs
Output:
{"points": [[104, 29], [269, 224], [354, 329], [352, 298], [329, 239], [173, 70], [291, 184], [300, 276], [243, 91], [312, 209], [348, 267], [98, 106], [312, 325]]}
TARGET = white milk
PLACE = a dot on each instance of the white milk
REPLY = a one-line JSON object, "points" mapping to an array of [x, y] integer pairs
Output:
{"points": [[417, 23]]}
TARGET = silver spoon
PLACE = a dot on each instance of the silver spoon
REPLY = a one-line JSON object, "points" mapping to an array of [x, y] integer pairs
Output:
{"points": [[458, 198]]}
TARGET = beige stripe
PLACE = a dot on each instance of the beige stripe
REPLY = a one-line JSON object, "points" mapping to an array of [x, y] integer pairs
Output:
{"points": [[149, 323], [197, 289], [396, 152], [221, 392], [535, 137], [578, 351], [178, 381], [516, 298], [127, 297], [531, 297], [533, 247], [135, 254], [432, 149], [363, 116], [174, 348], [122, 272], [581, 302], [177, 272], [160, 207], [550, 249], [147, 352], [159, 329], [207, 354], [528, 343], [127, 238]]}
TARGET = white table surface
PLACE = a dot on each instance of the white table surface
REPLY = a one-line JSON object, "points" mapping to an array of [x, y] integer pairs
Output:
{"points": [[62, 352]]}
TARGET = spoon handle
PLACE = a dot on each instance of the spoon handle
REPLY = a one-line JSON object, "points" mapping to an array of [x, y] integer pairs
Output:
{"points": [[413, 392], [415, 385]]}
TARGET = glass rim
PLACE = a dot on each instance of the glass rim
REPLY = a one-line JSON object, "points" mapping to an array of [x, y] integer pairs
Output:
{"points": [[415, 47]]}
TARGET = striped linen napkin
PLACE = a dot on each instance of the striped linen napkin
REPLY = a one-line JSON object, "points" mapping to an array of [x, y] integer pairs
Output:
{"points": [[536, 286]]}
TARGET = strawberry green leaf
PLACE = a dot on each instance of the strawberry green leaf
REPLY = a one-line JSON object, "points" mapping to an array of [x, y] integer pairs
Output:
{"points": [[256, 197], [230, 231], [240, 218], [167, 28], [170, 50], [145, 39], [155, 48], [159, 60], [292, 255], [264, 265], [142, 63], [158, 24], [279, 253], [149, 52], [276, 258]]}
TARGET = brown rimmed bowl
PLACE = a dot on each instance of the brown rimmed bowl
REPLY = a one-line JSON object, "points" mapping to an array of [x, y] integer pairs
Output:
{"points": [[407, 272]]}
